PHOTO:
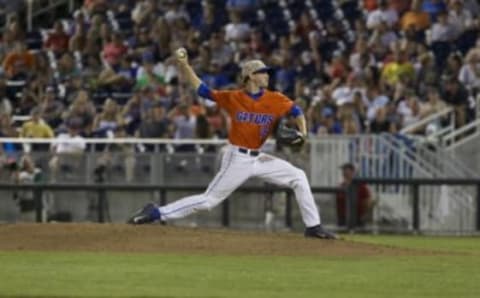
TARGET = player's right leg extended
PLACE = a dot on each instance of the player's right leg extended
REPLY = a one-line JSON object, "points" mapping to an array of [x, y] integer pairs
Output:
{"points": [[235, 170]]}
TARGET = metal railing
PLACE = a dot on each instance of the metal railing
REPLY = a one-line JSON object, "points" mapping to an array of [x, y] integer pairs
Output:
{"points": [[39, 189], [374, 156], [462, 135], [419, 125], [414, 184]]}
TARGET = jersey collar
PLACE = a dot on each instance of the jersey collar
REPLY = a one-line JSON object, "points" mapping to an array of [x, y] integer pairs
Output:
{"points": [[255, 96]]}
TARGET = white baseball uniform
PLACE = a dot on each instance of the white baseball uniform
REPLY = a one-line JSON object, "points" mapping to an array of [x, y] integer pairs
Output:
{"points": [[235, 169]]}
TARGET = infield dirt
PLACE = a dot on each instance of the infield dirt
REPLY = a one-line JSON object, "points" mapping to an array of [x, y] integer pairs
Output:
{"points": [[175, 240]]}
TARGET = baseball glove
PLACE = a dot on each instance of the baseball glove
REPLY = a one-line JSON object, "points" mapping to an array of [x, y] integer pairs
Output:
{"points": [[288, 136]]}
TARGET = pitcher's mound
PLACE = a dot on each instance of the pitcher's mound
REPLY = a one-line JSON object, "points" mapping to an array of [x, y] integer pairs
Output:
{"points": [[162, 239]]}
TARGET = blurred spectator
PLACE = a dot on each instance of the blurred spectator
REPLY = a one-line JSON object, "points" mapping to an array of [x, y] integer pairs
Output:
{"points": [[145, 10], [236, 30], [155, 123], [469, 74], [473, 6], [217, 120], [114, 50], [400, 69], [18, 62], [26, 172], [51, 108], [434, 103], [175, 11], [116, 158], [409, 110], [434, 8], [363, 196], [5, 104], [78, 40], [57, 40], [148, 76], [36, 127], [380, 123], [415, 17], [67, 149], [81, 112], [7, 130], [442, 29], [459, 17], [382, 14], [344, 93], [383, 35], [361, 57], [95, 6], [67, 67], [13, 32], [456, 95], [107, 122], [184, 125], [140, 42], [242, 6], [161, 36], [222, 52]]}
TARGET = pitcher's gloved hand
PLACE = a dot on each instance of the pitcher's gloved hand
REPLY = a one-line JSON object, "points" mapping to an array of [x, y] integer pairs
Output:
{"points": [[289, 136]]}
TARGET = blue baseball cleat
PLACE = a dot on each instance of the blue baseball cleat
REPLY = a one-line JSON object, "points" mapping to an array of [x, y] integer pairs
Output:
{"points": [[148, 214], [319, 232]]}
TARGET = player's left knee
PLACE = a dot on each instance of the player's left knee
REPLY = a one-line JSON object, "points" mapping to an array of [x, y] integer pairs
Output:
{"points": [[300, 178], [301, 175]]}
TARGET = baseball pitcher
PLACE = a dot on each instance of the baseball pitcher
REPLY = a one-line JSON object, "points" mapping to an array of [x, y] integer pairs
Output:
{"points": [[254, 111]]}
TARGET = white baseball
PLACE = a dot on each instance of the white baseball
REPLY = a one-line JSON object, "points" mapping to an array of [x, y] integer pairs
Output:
{"points": [[181, 53]]}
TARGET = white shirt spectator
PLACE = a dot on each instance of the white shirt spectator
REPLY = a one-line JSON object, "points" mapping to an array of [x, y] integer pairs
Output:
{"points": [[237, 32], [166, 71], [5, 106], [75, 144], [378, 102], [356, 62], [407, 112], [184, 127], [344, 94], [388, 38], [389, 16], [469, 75], [460, 20], [443, 32]]}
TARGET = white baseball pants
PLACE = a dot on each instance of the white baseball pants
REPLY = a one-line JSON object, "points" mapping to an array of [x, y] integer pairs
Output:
{"points": [[235, 169]]}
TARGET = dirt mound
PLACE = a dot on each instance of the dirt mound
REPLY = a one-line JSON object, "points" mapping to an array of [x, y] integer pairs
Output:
{"points": [[161, 239]]}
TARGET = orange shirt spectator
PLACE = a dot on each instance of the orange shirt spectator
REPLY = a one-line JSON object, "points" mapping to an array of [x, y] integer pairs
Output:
{"points": [[18, 61], [418, 19], [370, 5], [95, 5]]}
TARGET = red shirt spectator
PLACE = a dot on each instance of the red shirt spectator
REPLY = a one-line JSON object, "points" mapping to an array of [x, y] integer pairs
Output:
{"points": [[363, 198], [58, 40], [113, 51]]}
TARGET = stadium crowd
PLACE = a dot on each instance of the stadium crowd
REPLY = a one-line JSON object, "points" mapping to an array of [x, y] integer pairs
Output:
{"points": [[354, 66]]}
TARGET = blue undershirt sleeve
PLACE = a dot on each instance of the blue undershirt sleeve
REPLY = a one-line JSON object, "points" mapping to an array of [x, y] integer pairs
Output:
{"points": [[296, 111], [204, 91]]}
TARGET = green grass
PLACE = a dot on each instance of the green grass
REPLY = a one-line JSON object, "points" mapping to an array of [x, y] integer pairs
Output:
{"points": [[30, 274], [445, 244]]}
